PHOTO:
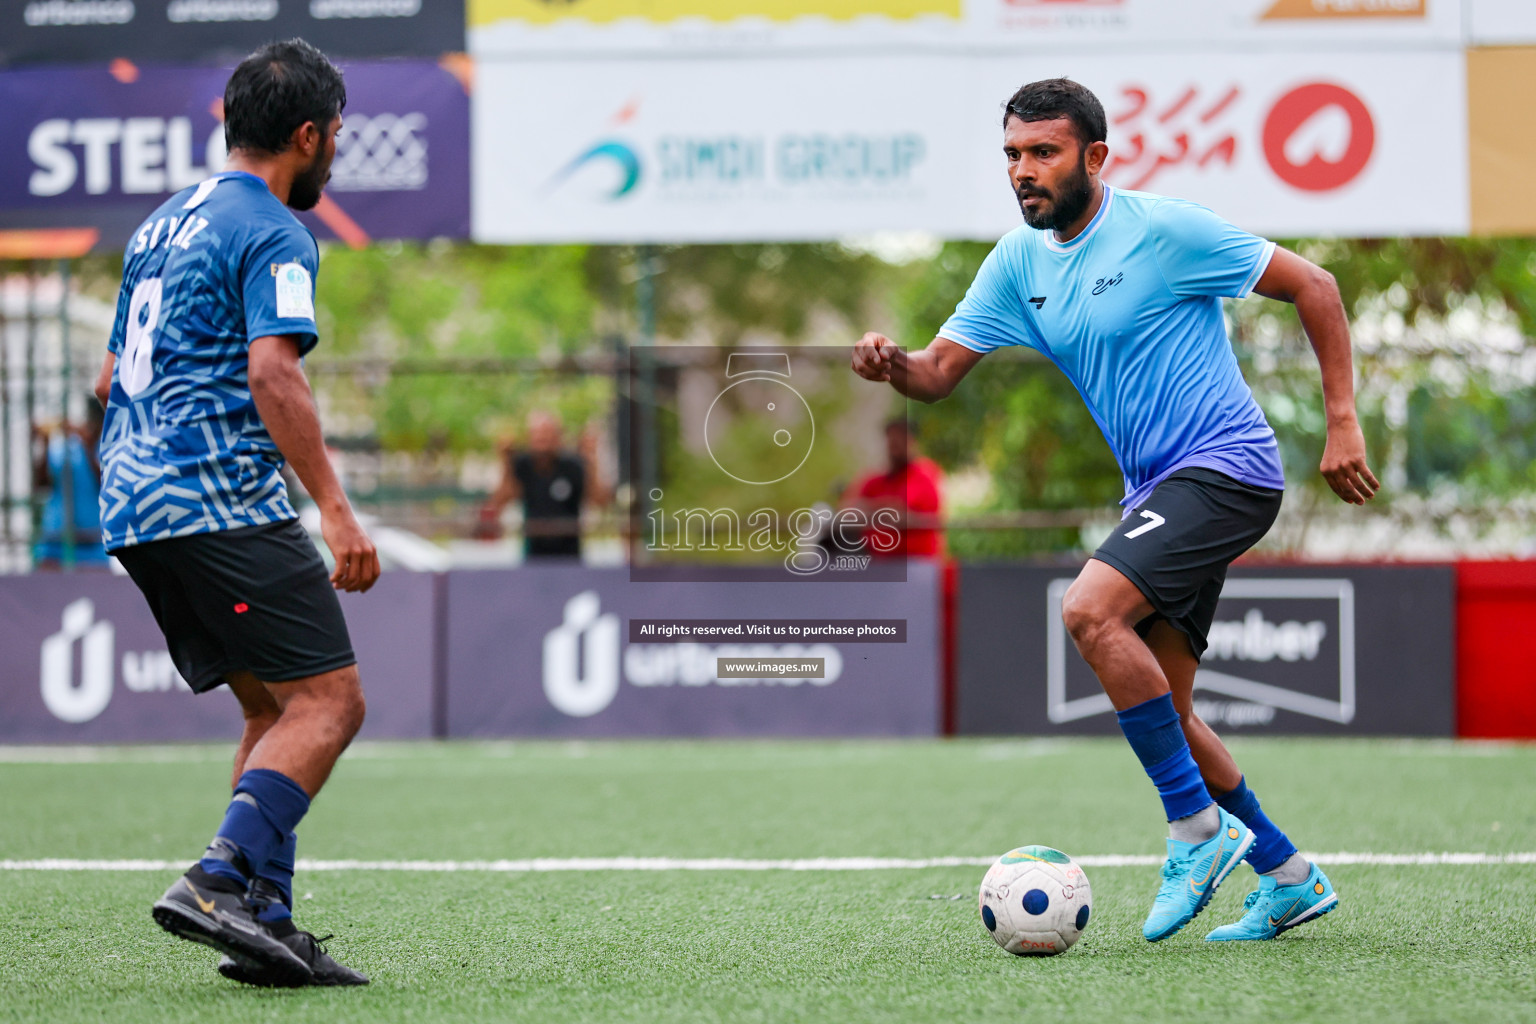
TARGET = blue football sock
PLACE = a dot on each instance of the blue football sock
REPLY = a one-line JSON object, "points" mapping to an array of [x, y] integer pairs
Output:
{"points": [[272, 890], [1271, 847], [1153, 729], [266, 808]]}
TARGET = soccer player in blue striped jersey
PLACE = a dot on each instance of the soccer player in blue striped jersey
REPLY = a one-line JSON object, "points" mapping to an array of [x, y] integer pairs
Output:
{"points": [[1122, 291], [205, 400]]}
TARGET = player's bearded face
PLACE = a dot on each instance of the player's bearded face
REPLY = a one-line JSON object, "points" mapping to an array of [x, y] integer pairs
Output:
{"points": [[310, 182], [1061, 206]]}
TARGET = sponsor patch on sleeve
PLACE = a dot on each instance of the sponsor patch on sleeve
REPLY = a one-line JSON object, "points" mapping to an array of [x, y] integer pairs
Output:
{"points": [[295, 291]]}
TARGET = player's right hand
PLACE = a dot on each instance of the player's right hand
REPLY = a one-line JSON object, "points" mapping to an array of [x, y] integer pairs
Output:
{"points": [[357, 561], [873, 356]]}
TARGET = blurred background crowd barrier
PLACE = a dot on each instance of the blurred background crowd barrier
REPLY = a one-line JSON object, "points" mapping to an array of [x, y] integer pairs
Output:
{"points": [[541, 213], [548, 651]]}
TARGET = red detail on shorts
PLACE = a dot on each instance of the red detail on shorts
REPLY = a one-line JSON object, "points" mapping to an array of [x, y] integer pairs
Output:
{"points": [[242, 608]]}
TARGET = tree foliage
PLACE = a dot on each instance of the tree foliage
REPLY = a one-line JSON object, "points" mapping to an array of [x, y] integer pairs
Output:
{"points": [[1444, 368], [1443, 402], [421, 305]]}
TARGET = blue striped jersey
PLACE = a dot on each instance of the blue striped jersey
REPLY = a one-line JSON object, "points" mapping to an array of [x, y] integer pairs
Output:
{"points": [[183, 450]]}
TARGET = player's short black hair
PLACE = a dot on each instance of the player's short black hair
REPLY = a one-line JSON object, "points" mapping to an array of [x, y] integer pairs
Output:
{"points": [[277, 89], [1053, 98]]}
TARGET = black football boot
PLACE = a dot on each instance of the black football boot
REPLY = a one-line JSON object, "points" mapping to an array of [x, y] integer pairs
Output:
{"points": [[212, 910]]}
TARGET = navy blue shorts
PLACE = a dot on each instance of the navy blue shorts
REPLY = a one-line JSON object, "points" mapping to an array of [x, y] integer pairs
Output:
{"points": [[1176, 545], [256, 599]]}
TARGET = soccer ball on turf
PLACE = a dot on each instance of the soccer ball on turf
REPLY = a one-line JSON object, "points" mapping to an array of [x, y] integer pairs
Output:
{"points": [[1035, 901]]}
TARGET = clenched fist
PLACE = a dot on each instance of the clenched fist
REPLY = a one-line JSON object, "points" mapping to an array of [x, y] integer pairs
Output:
{"points": [[874, 355]]}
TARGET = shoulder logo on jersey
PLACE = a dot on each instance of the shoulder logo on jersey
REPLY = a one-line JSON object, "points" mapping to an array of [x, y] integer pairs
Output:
{"points": [[1038, 301], [1103, 283], [295, 292]]}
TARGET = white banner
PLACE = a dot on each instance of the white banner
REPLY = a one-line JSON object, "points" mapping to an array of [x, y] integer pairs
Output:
{"points": [[619, 151], [1503, 22], [570, 27], [806, 148]]}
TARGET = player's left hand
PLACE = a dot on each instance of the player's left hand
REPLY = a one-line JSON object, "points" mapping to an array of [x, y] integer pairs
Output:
{"points": [[357, 561], [1344, 465]]}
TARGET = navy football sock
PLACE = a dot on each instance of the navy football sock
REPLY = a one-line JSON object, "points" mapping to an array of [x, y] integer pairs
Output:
{"points": [[266, 808], [272, 889], [1271, 847], [1152, 727]]}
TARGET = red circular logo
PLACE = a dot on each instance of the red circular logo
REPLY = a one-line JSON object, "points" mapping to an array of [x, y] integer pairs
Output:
{"points": [[1317, 173]]}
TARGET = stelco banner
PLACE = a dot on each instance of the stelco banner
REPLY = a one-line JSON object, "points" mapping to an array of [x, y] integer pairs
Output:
{"points": [[96, 31], [84, 662], [1334, 650], [549, 651], [519, 27], [99, 148], [629, 151]]}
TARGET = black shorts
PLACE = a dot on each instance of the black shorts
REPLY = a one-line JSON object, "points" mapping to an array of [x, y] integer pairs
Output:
{"points": [[256, 599], [1176, 545]]}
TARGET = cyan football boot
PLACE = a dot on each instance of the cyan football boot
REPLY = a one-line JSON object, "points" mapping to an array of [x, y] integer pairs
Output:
{"points": [[1191, 874], [1273, 908]]}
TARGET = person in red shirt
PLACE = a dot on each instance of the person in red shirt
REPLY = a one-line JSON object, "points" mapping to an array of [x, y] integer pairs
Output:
{"points": [[911, 485]]}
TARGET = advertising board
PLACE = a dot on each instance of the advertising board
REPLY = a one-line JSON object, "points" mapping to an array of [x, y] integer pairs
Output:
{"points": [[553, 651], [1333, 650], [84, 662], [101, 147], [526, 27], [1288, 144], [97, 31]]}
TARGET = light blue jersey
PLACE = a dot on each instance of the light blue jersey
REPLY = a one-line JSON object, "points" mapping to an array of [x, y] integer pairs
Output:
{"points": [[183, 450], [1130, 310]]}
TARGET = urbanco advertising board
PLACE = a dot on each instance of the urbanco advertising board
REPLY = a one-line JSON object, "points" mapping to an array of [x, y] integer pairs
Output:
{"points": [[90, 147], [655, 150], [520, 27], [84, 662], [1325, 649], [560, 651], [91, 31]]}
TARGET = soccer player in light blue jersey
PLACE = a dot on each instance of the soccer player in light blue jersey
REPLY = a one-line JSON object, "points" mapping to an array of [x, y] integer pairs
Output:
{"points": [[1122, 291], [205, 400]]}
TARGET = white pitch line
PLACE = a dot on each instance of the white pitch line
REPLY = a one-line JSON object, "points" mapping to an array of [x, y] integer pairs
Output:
{"points": [[546, 864]]}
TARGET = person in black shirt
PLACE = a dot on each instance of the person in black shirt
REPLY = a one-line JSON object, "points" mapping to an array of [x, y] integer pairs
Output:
{"points": [[552, 485]]}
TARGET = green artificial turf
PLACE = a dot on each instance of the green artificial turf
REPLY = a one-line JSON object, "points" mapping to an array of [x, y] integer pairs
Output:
{"points": [[1408, 943]]}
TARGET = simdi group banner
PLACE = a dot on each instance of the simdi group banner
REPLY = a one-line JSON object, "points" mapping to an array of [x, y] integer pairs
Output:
{"points": [[1284, 144], [500, 27], [99, 147]]}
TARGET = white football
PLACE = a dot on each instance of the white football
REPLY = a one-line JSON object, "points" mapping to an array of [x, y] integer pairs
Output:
{"points": [[1035, 901]]}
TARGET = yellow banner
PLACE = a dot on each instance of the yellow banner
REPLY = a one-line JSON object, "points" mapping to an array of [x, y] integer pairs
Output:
{"points": [[1501, 130], [545, 12]]}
